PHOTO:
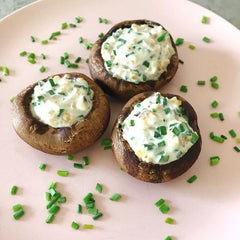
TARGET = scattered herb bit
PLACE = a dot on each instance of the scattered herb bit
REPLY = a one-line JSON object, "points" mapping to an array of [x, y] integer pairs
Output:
{"points": [[213, 79], [214, 115], [42, 69], [162, 37], [85, 160], [221, 116], [132, 123], [93, 211], [31, 60], [54, 34], [87, 60], [72, 25], [159, 202], [101, 35], [18, 214], [88, 226], [183, 88], [168, 238], [106, 141], [50, 218], [217, 139], [88, 46], [70, 157], [98, 215], [108, 63], [236, 149], [77, 165], [214, 104], [78, 19], [214, 160], [32, 39], [99, 188], [47, 196], [64, 25], [115, 197], [77, 60], [181, 61], [80, 39], [169, 220], [52, 185], [62, 200], [192, 179], [179, 41], [192, 47], [54, 209], [87, 197], [23, 53], [223, 136], [16, 207], [42, 166], [164, 208], [79, 208], [215, 85], [14, 190], [232, 133], [204, 19], [53, 200], [105, 21], [44, 41], [43, 56], [146, 64], [206, 39], [201, 82], [107, 147], [100, 20], [67, 64], [62, 173], [74, 225]]}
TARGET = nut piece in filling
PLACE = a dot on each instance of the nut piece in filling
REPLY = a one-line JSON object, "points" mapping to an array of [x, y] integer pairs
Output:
{"points": [[134, 56], [62, 114], [156, 137]]}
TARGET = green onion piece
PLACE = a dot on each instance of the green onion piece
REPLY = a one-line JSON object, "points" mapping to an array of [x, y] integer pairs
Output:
{"points": [[72, 25], [44, 41], [215, 85], [77, 165], [32, 55], [78, 19], [108, 63], [107, 147], [52, 191], [87, 60], [183, 88], [214, 160], [43, 56], [164, 208], [32, 39], [179, 41], [106, 141], [105, 21], [42, 166], [218, 139], [54, 34], [62, 173], [65, 55], [16, 207], [214, 115], [100, 20], [168, 238], [23, 53], [232, 133], [206, 39], [88, 226], [214, 104], [42, 69], [75, 225], [101, 35], [62, 60], [53, 200], [77, 60], [169, 220], [221, 116], [181, 61], [98, 215], [194, 138], [213, 79], [159, 202], [52, 185], [90, 204], [192, 179], [70, 157], [204, 19], [115, 197], [192, 47], [64, 25], [14, 190], [223, 136], [236, 149], [98, 187], [146, 64], [54, 209], [238, 140], [18, 214], [80, 39], [47, 196], [50, 218], [67, 64], [88, 46], [5, 71], [85, 160], [132, 123], [201, 82], [162, 37], [12, 99], [62, 200], [31, 60], [79, 208], [211, 135], [87, 197], [93, 211], [51, 82], [176, 131], [74, 65]]}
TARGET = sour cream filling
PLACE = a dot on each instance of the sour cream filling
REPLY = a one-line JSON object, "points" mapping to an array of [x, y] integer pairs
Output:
{"points": [[61, 101], [157, 131], [137, 54]]}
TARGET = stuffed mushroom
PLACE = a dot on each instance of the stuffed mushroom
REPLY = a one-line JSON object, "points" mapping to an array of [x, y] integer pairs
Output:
{"points": [[156, 137], [133, 57], [62, 114]]}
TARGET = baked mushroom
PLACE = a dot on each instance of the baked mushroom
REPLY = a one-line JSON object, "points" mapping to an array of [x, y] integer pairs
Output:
{"points": [[133, 57], [62, 114], [156, 137]]}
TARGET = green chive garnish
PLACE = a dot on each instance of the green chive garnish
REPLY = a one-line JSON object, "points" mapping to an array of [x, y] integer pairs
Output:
{"points": [[107, 147], [72, 25], [106, 142], [192, 179], [181, 61], [159, 202], [168, 238], [18, 214], [77, 165], [179, 41], [214, 104], [221, 116], [232, 133], [77, 60], [101, 35], [16, 207], [98, 187], [105, 21], [78, 19], [64, 25], [93, 211], [53, 200], [52, 82], [213, 79], [100, 20], [54, 34], [88, 45], [42, 166], [115, 197], [223, 136], [183, 88], [98, 215], [146, 64], [201, 82], [87, 197], [132, 123], [62, 60], [14, 190], [52, 185], [50, 218], [44, 41], [80, 39], [23, 53], [70, 157], [62, 173], [88, 226], [108, 63], [214, 115], [47, 196], [215, 85], [43, 56], [87, 60], [5, 71], [62, 200], [32, 38], [236, 149], [169, 220], [53, 209], [85, 160], [238, 140], [192, 47], [164, 208], [214, 160], [204, 19], [31, 60], [162, 37], [75, 225], [67, 64], [42, 69], [79, 208], [206, 39]]}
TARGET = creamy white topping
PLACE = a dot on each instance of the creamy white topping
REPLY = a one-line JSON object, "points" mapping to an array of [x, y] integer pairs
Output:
{"points": [[138, 53], [61, 101], [157, 131]]}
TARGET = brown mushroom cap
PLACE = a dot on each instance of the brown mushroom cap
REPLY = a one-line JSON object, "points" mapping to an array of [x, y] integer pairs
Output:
{"points": [[151, 172], [119, 88], [64, 140]]}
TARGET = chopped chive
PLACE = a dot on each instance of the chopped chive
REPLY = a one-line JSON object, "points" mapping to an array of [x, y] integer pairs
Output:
{"points": [[79, 208], [181, 61], [53, 200], [14, 190], [87, 197], [192, 179], [204, 19], [54, 34], [232, 133], [164, 208], [162, 37], [192, 47], [179, 41], [72, 25], [78, 19], [60, 112], [49, 218], [115, 197], [218, 139], [221, 116], [52, 185], [52, 83], [43, 56], [214, 115], [93, 211], [80, 39], [77, 165], [214, 160], [32, 55], [176, 131], [101, 35], [159, 202], [108, 63], [132, 123], [64, 25], [213, 79], [32, 38], [44, 41], [18, 214], [168, 238], [215, 85], [87, 60], [85, 160], [23, 53], [47, 196], [31, 60], [105, 21], [16, 207], [54, 209], [169, 220], [98, 215], [106, 141], [236, 149], [214, 104], [74, 65], [90, 204], [5, 71], [88, 45], [70, 157], [62, 60], [67, 64], [224, 137], [211, 135], [146, 64], [78, 59], [183, 88], [107, 147], [42, 166], [62, 173], [62, 200], [65, 55], [206, 39], [98, 187], [88, 226], [53, 192], [194, 138], [42, 69], [201, 82], [100, 20], [75, 225], [12, 99]]}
